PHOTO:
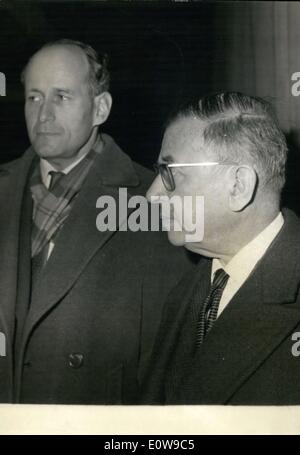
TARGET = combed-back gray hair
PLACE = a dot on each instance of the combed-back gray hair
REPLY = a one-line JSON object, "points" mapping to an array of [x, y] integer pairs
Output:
{"points": [[98, 72], [243, 129]]}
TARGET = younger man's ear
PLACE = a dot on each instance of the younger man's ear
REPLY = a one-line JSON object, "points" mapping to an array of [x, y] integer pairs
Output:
{"points": [[102, 105], [243, 187]]}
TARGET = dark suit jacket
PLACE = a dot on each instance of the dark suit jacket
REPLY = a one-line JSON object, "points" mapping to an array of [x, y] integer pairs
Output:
{"points": [[247, 357], [95, 312]]}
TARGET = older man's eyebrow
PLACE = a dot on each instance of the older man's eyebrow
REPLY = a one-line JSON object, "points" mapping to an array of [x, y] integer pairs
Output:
{"points": [[166, 159]]}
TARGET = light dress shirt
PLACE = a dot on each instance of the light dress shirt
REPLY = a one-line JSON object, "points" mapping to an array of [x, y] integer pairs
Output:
{"points": [[241, 265]]}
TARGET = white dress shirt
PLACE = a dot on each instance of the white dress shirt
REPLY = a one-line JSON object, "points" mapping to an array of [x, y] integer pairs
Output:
{"points": [[242, 263], [46, 168]]}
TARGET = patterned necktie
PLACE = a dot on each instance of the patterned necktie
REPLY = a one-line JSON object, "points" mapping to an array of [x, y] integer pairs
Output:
{"points": [[209, 310]]}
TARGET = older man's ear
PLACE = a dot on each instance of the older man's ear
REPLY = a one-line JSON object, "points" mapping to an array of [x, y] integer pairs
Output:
{"points": [[243, 182], [102, 105]]}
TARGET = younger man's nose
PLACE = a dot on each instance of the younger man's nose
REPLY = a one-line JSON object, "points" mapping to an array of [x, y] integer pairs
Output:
{"points": [[46, 112]]}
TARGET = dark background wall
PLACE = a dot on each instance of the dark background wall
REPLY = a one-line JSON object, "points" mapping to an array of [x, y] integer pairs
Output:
{"points": [[160, 55]]}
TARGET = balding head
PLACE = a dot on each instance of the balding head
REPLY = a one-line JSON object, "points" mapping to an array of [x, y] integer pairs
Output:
{"points": [[62, 111], [98, 71], [57, 64]]}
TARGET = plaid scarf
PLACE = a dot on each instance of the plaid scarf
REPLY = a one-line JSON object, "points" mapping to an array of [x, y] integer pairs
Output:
{"points": [[52, 207]]}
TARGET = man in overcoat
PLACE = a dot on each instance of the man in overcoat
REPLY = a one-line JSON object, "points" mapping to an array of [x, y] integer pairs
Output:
{"points": [[79, 306]]}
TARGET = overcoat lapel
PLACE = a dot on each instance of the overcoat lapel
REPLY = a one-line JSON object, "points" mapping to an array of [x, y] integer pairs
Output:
{"points": [[79, 238], [260, 316], [12, 185], [24, 268]]}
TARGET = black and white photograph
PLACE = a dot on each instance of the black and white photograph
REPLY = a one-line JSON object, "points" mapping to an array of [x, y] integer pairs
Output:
{"points": [[149, 206]]}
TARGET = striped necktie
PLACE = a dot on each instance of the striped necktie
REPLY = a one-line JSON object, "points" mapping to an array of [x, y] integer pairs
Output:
{"points": [[209, 310]]}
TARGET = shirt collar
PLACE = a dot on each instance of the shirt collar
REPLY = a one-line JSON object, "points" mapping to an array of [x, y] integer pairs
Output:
{"points": [[46, 167], [242, 263]]}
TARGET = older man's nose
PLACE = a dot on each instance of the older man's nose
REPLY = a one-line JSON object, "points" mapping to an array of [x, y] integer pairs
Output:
{"points": [[46, 111], [156, 189]]}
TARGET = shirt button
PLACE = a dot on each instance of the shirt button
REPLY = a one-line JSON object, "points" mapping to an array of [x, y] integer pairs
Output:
{"points": [[75, 360]]}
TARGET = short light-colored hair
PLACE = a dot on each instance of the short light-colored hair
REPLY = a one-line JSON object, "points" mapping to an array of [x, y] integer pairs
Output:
{"points": [[243, 129], [99, 77]]}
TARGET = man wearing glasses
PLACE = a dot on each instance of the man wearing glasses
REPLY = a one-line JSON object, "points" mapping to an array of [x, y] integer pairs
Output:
{"points": [[229, 329]]}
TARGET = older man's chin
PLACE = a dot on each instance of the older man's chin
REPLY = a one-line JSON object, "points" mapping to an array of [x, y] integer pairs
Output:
{"points": [[178, 238]]}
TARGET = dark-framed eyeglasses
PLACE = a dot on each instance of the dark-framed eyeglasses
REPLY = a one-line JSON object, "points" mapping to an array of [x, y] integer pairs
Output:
{"points": [[165, 171]]}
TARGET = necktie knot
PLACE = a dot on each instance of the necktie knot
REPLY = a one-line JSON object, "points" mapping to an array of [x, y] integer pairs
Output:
{"points": [[220, 279], [55, 176]]}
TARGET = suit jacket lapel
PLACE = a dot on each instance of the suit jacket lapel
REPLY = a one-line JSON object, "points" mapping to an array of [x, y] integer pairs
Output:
{"points": [[259, 317], [243, 336], [177, 335]]}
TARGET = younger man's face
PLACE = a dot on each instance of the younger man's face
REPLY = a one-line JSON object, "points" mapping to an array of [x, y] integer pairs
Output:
{"points": [[59, 108]]}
